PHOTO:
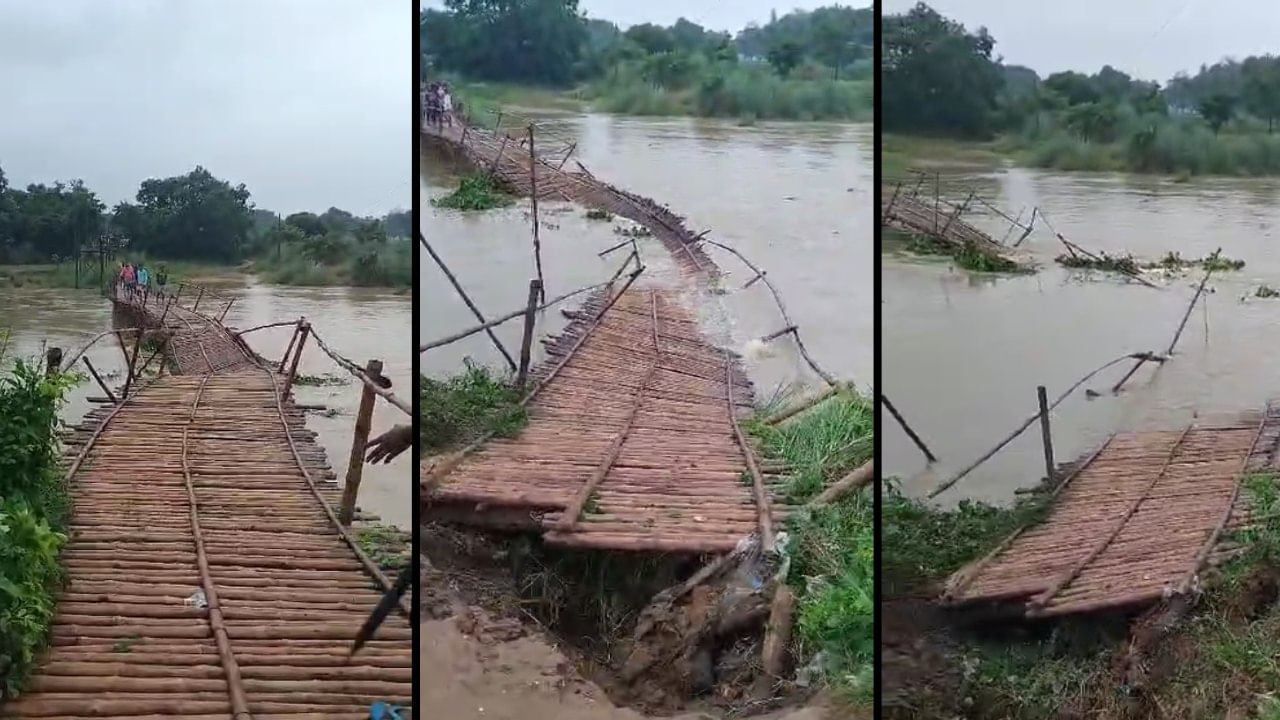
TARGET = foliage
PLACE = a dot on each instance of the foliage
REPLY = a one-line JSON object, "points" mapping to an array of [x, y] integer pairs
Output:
{"points": [[466, 406], [337, 258], [1113, 263], [833, 548], [599, 214], [533, 41], [194, 215], [46, 222], [33, 509], [818, 62], [936, 76], [474, 192], [386, 545]]}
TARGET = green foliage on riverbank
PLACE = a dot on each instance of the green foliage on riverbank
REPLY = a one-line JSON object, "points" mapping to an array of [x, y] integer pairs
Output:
{"points": [[338, 259], [475, 192], [33, 514], [466, 406], [941, 79], [805, 65], [63, 274], [832, 548]]}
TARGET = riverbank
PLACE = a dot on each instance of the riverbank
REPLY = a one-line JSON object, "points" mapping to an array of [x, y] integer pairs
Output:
{"points": [[746, 94], [33, 514], [389, 266], [1215, 660], [1180, 151]]}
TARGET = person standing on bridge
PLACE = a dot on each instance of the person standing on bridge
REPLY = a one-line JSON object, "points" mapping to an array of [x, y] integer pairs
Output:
{"points": [[144, 277], [130, 278], [162, 279], [446, 106]]}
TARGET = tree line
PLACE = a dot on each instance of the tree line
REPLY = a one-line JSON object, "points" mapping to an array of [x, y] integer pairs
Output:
{"points": [[938, 77], [551, 42], [193, 216]]}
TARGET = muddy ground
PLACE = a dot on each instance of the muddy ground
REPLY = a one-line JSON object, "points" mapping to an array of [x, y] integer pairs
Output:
{"points": [[485, 655]]}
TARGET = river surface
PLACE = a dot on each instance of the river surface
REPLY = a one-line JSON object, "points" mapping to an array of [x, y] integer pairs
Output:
{"points": [[964, 352], [359, 323], [796, 199]]}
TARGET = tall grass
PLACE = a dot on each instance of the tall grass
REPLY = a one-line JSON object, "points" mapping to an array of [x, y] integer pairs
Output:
{"points": [[345, 261], [1156, 144], [833, 556], [748, 92]]}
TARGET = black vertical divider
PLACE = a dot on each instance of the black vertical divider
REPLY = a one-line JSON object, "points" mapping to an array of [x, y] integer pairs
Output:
{"points": [[876, 354], [419, 705]]}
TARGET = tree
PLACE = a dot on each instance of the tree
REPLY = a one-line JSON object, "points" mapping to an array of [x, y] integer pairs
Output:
{"points": [[652, 39], [532, 41], [1261, 79], [1218, 109], [1093, 121], [192, 215], [936, 76], [785, 56], [1076, 88], [399, 223], [307, 223]]}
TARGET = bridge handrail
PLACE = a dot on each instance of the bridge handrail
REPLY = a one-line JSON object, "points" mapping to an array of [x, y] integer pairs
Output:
{"points": [[362, 376], [67, 365]]}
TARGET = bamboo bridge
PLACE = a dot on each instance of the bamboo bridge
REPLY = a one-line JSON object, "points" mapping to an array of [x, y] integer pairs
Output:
{"points": [[208, 574], [941, 221], [633, 438], [1133, 523]]}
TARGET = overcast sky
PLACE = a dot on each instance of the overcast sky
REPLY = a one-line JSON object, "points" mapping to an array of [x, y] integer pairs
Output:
{"points": [[1150, 39], [730, 15], [307, 102]]}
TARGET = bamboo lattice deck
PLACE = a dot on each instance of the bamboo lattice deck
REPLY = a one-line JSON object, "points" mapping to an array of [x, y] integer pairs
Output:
{"points": [[632, 420], [209, 483], [1135, 522], [909, 212]]}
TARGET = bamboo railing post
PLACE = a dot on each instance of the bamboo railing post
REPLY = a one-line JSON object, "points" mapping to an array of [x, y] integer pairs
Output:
{"points": [[110, 395], [198, 297], [1045, 434], [52, 360], [289, 348], [466, 299], [178, 295], [533, 194], [359, 439], [225, 310], [297, 355], [133, 360], [910, 433], [526, 342], [494, 167]]}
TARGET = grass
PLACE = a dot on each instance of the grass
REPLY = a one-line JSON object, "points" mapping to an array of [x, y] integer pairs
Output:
{"points": [[474, 192], [599, 214], [387, 545], [832, 548], [467, 406], [900, 153], [1266, 291], [321, 380]]}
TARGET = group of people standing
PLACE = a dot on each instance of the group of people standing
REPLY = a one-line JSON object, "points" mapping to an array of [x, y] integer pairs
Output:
{"points": [[136, 278], [438, 104]]}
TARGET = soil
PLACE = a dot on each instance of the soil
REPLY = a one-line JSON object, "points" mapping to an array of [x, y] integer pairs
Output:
{"points": [[485, 656]]}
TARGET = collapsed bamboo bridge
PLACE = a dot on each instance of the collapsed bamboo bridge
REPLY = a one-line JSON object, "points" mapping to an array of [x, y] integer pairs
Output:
{"points": [[1134, 522], [208, 574], [634, 437], [905, 208]]}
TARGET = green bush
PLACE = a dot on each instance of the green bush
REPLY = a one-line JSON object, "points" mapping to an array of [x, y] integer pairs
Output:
{"points": [[33, 510]]}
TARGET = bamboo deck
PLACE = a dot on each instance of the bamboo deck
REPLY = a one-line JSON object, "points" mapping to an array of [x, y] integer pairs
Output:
{"points": [[209, 483], [630, 425], [905, 211], [1134, 523], [509, 162]]}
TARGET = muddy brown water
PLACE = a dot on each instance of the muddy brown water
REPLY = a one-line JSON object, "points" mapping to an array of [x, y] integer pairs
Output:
{"points": [[360, 323], [963, 352], [794, 198]]}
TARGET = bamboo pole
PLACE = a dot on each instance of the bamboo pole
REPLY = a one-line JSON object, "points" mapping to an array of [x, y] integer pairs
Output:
{"points": [[52, 360], [359, 439], [226, 309], [297, 328], [133, 359], [110, 395], [297, 355], [855, 480], [467, 299], [199, 296], [910, 433], [533, 195], [1045, 433], [801, 406], [526, 341]]}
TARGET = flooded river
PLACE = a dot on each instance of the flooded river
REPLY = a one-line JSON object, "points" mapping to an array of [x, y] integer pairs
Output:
{"points": [[361, 324], [796, 199], [963, 353]]}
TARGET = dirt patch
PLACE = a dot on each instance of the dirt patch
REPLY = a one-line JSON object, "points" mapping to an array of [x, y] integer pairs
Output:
{"points": [[494, 649]]}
